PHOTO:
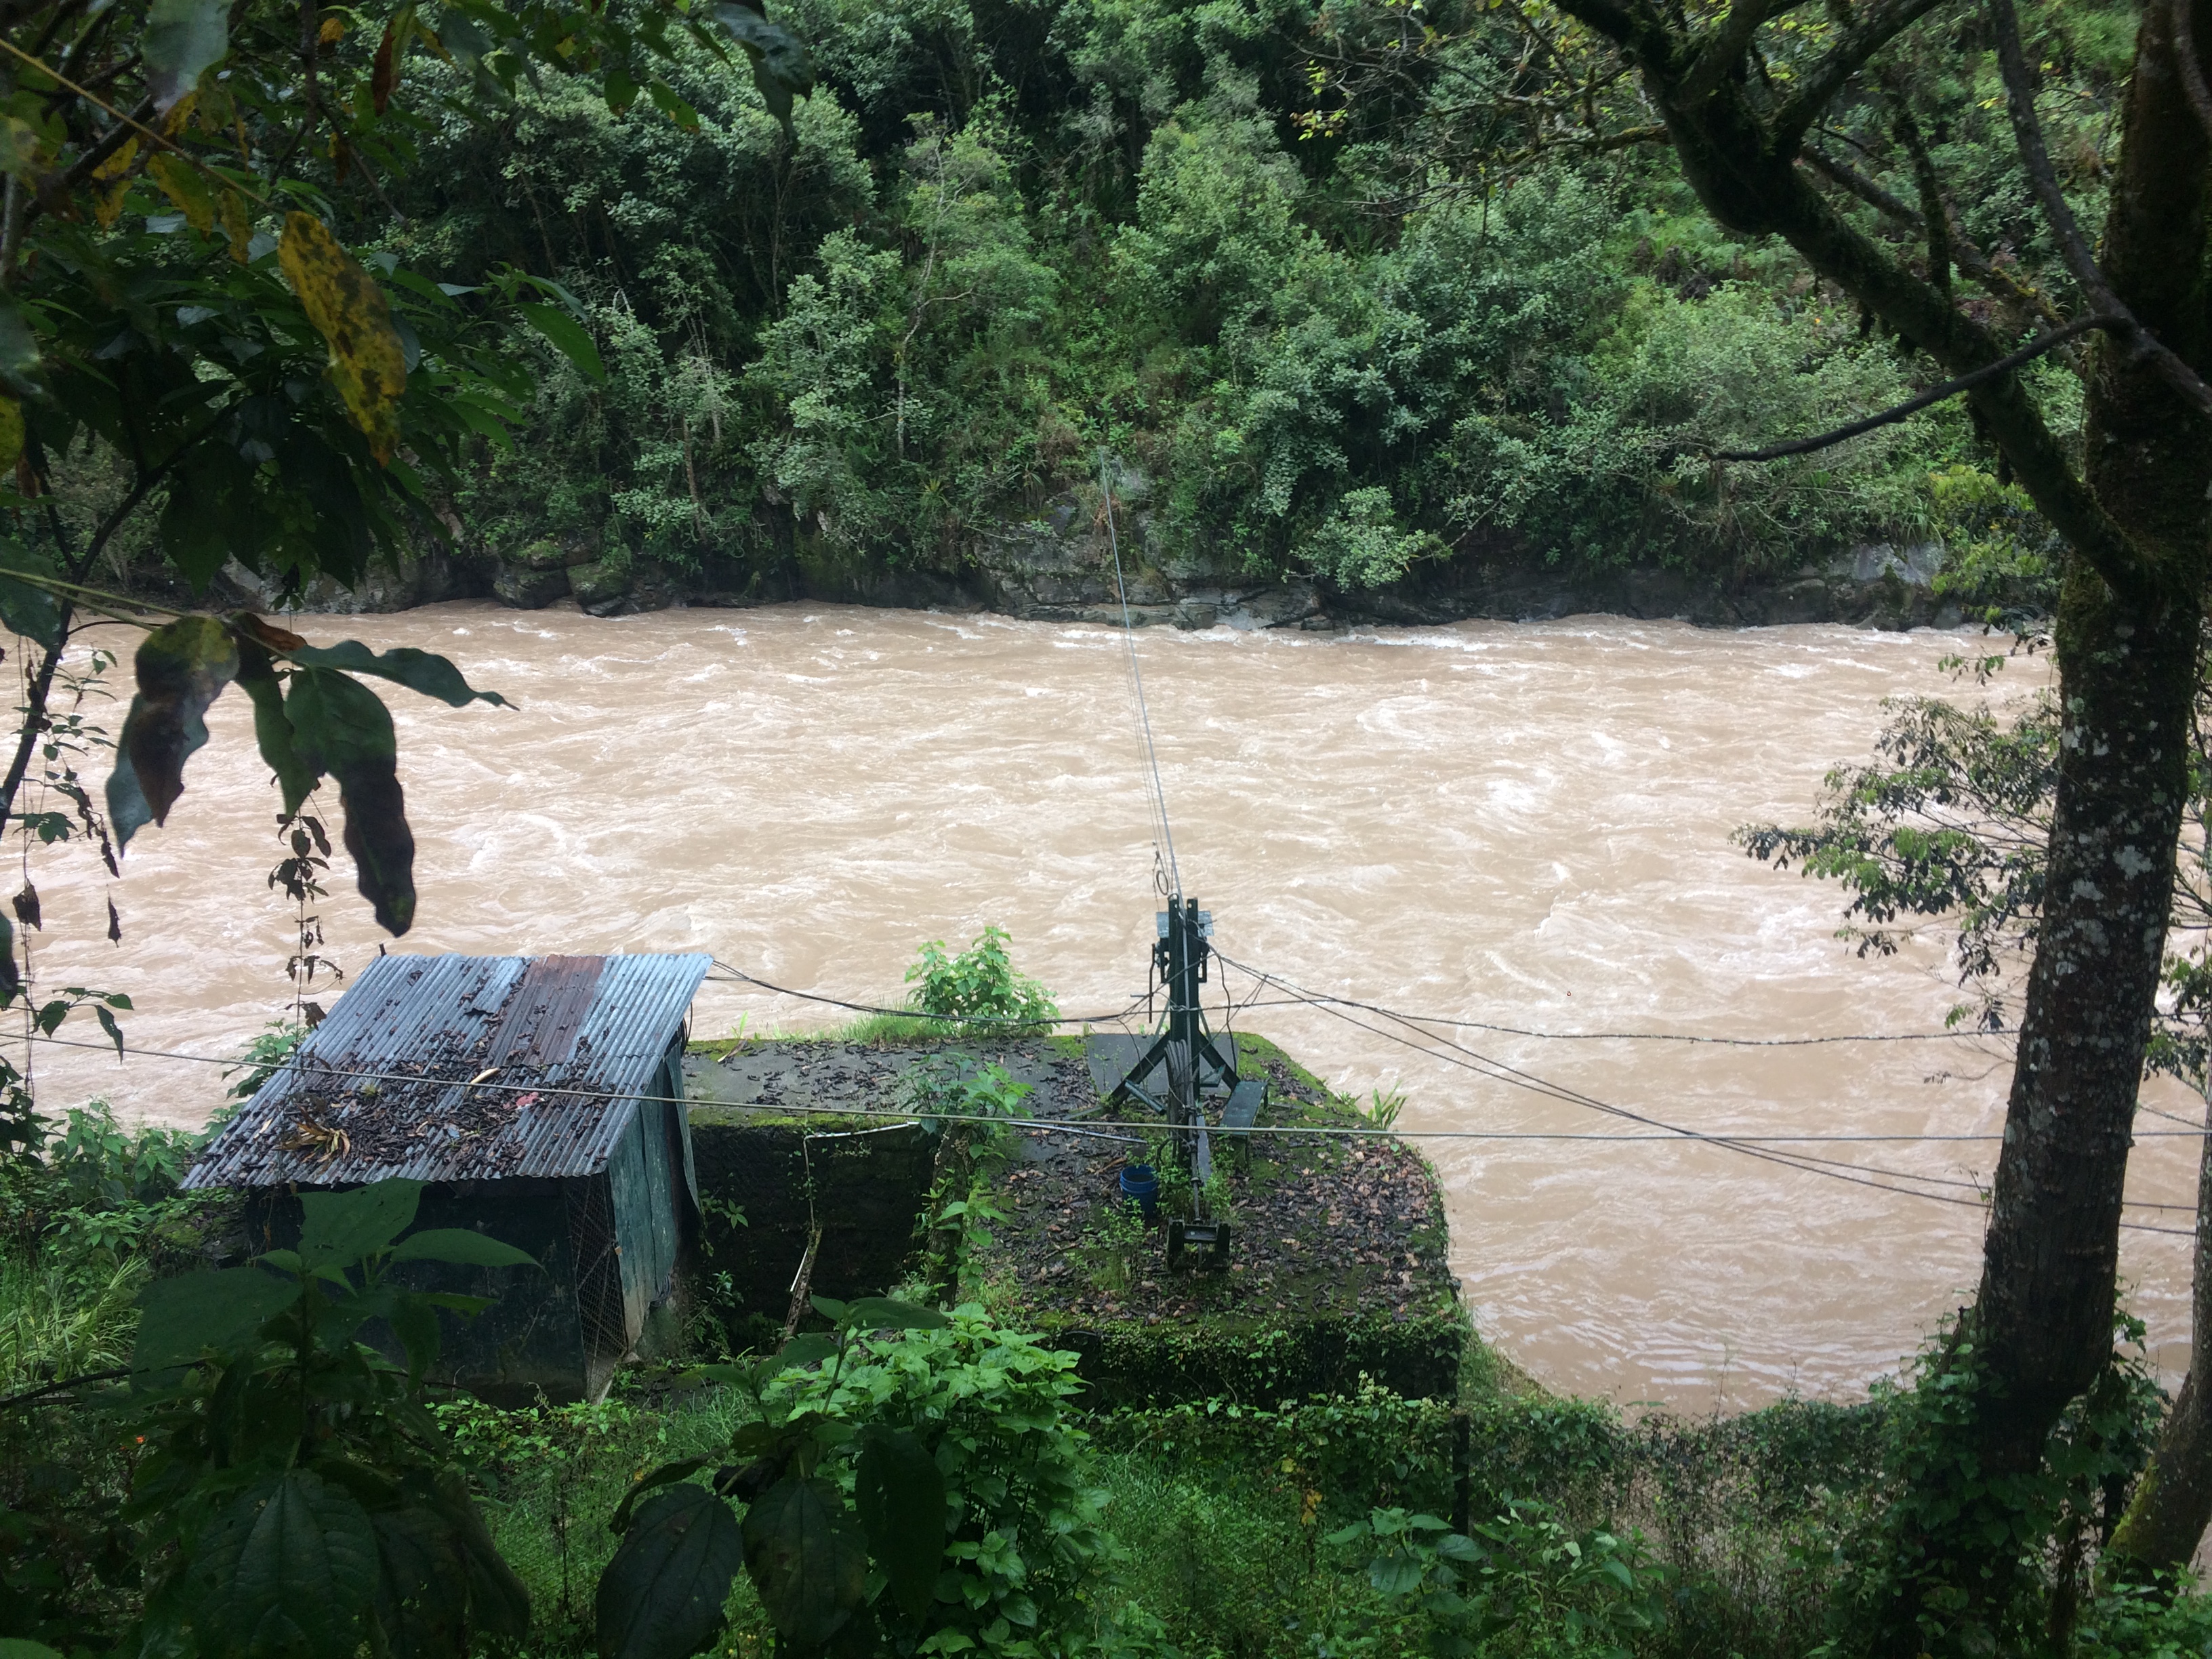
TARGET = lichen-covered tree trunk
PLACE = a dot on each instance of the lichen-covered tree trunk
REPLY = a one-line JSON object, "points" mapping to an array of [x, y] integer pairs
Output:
{"points": [[2127, 677]]}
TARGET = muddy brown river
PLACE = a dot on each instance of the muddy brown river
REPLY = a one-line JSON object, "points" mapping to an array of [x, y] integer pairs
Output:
{"points": [[1521, 826]]}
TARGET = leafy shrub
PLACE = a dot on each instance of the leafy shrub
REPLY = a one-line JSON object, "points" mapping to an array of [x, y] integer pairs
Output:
{"points": [[1522, 1576], [104, 1163], [1361, 543], [980, 985], [989, 1407], [293, 1496], [910, 1475]]}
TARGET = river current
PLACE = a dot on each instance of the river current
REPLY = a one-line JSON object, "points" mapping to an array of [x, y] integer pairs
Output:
{"points": [[1519, 825]]}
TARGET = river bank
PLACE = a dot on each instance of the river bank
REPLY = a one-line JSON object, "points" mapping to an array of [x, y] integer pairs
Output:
{"points": [[1060, 568]]}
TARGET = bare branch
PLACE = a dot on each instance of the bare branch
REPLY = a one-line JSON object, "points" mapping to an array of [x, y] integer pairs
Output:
{"points": [[1879, 25], [2072, 246], [1935, 394]]}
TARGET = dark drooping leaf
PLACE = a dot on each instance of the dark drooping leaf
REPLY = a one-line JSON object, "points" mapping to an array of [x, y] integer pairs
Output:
{"points": [[290, 1568], [182, 667], [459, 1245], [807, 1559], [340, 727], [661, 1596], [442, 1582], [337, 1230], [781, 66], [272, 731], [418, 671], [182, 1317], [901, 1496], [11, 976], [26, 610], [568, 337]]}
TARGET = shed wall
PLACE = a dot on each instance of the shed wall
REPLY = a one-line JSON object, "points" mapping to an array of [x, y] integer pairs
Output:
{"points": [[531, 1337]]}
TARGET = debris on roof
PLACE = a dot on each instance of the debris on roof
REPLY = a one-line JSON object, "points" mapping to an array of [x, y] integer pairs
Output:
{"points": [[457, 1068]]}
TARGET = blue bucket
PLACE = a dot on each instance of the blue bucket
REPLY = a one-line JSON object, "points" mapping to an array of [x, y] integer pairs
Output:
{"points": [[1141, 1186]]}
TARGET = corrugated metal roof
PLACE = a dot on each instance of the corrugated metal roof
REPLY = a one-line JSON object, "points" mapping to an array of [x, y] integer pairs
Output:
{"points": [[547, 1024]]}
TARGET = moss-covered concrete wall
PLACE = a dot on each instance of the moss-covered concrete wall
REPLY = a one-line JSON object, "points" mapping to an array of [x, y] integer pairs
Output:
{"points": [[868, 1186]]}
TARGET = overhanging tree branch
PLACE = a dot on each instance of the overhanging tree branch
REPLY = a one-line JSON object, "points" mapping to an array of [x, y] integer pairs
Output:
{"points": [[1935, 394], [1876, 30], [1970, 258], [2073, 245]]}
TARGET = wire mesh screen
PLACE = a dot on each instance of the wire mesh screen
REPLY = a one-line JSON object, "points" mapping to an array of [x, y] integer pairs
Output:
{"points": [[599, 1269]]}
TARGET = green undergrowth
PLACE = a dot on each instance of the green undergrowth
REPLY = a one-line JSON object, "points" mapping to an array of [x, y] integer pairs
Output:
{"points": [[1228, 1520], [1316, 1527]]}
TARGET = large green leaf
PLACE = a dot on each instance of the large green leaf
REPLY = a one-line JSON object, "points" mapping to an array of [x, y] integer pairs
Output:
{"points": [[341, 1228], [661, 1596], [415, 1322], [182, 1317], [19, 1647], [882, 1313], [499, 1601], [342, 728], [900, 1493], [182, 39], [26, 610], [22, 372], [182, 667], [807, 1559], [567, 336], [780, 64], [418, 671], [441, 1581], [272, 731], [458, 1244], [290, 1568]]}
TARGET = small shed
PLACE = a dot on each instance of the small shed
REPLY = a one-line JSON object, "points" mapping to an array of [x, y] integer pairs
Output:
{"points": [[540, 1098]]}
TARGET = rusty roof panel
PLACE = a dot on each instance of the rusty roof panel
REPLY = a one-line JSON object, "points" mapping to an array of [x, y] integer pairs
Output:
{"points": [[450, 1068]]}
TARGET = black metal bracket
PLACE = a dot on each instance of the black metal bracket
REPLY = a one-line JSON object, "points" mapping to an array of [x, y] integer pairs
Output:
{"points": [[1207, 1240]]}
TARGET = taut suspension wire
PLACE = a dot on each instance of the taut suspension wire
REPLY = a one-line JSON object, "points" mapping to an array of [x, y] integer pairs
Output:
{"points": [[1164, 839]]}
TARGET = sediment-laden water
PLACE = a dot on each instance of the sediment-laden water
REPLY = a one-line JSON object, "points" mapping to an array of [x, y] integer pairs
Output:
{"points": [[1525, 825]]}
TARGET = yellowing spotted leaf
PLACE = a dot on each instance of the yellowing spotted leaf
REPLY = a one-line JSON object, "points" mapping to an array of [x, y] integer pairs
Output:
{"points": [[238, 225], [22, 148], [367, 363], [11, 431], [111, 183], [183, 187]]}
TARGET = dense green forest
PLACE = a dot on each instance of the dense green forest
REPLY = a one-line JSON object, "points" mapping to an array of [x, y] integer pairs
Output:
{"points": [[1316, 278]]}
